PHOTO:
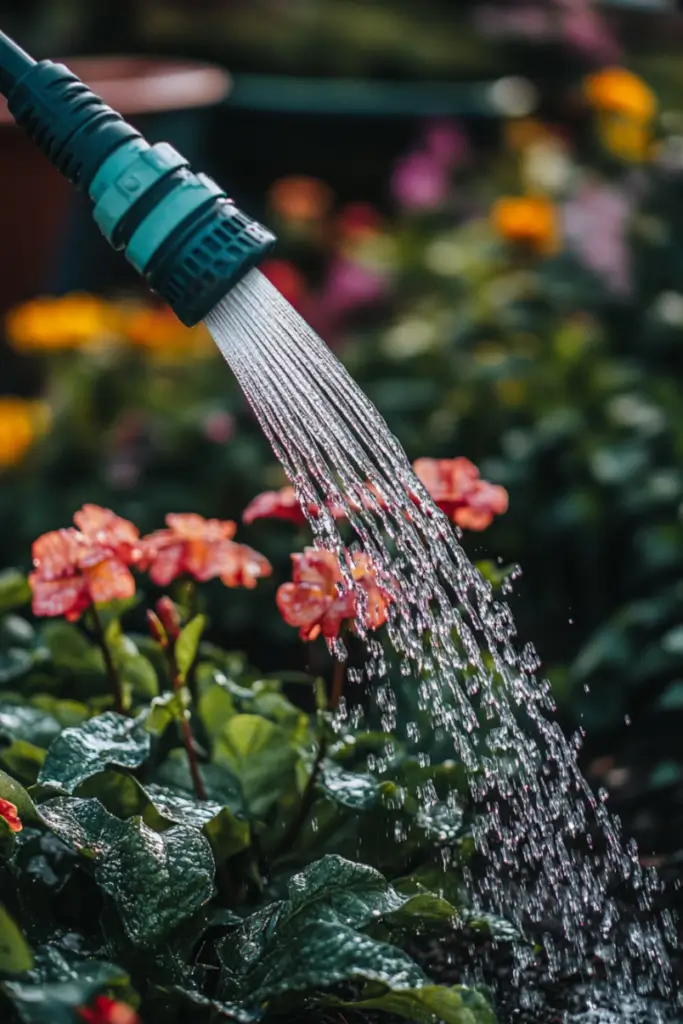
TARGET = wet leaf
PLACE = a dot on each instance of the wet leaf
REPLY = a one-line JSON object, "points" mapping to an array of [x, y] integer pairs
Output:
{"points": [[168, 708], [11, 790], [221, 784], [54, 999], [24, 760], [77, 753], [429, 1004], [258, 753], [15, 662], [19, 722], [136, 673], [14, 590], [188, 643], [15, 954], [350, 789], [70, 649], [157, 880], [227, 833]]}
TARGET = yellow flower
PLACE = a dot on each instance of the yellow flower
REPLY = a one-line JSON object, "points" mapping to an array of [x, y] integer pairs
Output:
{"points": [[625, 138], [21, 423], [619, 91], [157, 330], [530, 221], [49, 324], [520, 132]]}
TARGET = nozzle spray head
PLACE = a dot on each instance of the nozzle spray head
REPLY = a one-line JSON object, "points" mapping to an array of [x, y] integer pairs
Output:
{"points": [[177, 228]]}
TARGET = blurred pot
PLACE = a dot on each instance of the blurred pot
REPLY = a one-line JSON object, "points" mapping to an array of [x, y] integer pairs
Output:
{"points": [[36, 202]]}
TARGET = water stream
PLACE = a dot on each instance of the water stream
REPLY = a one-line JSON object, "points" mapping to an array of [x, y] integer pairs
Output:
{"points": [[537, 816]]}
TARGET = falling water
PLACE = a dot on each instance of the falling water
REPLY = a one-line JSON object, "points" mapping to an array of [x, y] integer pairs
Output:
{"points": [[451, 634]]}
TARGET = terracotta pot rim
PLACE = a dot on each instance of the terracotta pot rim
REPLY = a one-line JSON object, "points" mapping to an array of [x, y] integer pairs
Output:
{"points": [[144, 85]]}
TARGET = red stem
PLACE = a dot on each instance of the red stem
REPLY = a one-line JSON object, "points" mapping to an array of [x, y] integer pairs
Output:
{"points": [[185, 729]]}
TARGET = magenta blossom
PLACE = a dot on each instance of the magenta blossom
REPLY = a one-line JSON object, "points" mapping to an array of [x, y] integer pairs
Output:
{"points": [[420, 182]]}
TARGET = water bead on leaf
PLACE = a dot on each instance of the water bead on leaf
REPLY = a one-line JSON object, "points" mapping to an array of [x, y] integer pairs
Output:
{"points": [[108, 1011], [318, 601], [9, 813], [457, 488]]}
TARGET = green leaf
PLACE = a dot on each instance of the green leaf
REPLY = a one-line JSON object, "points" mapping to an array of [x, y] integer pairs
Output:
{"points": [[136, 672], [350, 789], [425, 909], [65, 712], [157, 880], [77, 753], [187, 644], [227, 833], [15, 662], [70, 648], [53, 997], [169, 707], [312, 940], [216, 706], [430, 1004], [112, 611], [262, 759], [14, 590], [221, 784], [672, 698], [19, 722], [13, 791], [24, 760], [15, 954]]}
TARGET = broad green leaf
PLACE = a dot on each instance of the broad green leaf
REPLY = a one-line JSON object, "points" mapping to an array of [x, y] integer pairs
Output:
{"points": [[188, 643], [312, 950], [358, 893], [216, 706], [491, 925], [259, 754], [65, 712], [70, 648], [169, 707], [425, 909], [20, 722], [430, 1004], [15, 662], [11, 790], [137, 674], [157, 880], [15, 954], [187, 998], [23, 760], [109, 739], [227, 833], [350, 789], [14, 590], [221, 784], [55, 998]]}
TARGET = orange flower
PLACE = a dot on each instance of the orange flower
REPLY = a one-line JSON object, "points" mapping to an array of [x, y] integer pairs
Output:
{"points": [[9, 813], [300, 198], [456, 487], [90, 565], [282, 504], [530, 221], [157, 330], [202, 548], [21, 423], [242, 566], [191, 545], [316, 602], [108, 1011], [618, 91], [48, 324]]}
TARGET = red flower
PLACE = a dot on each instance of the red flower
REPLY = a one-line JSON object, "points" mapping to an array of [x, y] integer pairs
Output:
{"points": [[9, 812], [203, 549], [282, 504], [458, 490], [288, 280], [108, 1011], [314, 602], [76, 568], [191, 545]]}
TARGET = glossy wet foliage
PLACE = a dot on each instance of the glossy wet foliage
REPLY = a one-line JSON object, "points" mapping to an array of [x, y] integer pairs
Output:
{"points": [[279, 893]]}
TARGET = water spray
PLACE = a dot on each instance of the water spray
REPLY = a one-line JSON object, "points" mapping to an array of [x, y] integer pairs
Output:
{"points": [[180, 231]]}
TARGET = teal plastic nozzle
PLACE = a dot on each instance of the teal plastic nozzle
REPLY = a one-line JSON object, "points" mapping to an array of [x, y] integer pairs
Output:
{"points": [[179, 229]]}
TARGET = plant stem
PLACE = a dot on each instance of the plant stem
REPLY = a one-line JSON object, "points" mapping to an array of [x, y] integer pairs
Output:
{"points": [[185, 729], [112, 674], [307, 800], [338, 678]]}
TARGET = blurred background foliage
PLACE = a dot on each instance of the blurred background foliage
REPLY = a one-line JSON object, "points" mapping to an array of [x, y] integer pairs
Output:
{"points": [[503, 279]]}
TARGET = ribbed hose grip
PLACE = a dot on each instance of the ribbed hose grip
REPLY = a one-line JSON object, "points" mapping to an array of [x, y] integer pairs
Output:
{"points": [[178, 229]]}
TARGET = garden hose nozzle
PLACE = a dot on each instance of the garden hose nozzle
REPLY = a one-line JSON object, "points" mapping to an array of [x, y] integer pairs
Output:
{"points": [[178, 229]]}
